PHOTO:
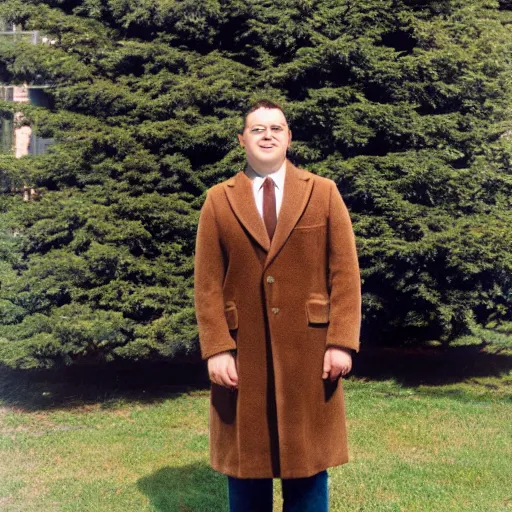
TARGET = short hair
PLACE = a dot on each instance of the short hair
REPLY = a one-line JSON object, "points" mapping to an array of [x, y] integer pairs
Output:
{"points": [[264, 103]]}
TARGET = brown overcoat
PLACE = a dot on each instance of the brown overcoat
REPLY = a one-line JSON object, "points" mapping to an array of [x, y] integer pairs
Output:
{"points": [[278, 305]]}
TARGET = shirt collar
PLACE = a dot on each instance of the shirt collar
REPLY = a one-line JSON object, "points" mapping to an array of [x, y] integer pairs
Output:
{"points": [[258, 179]]}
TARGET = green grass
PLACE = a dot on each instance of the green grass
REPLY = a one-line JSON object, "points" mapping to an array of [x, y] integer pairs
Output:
{"points": [[419, 447]]}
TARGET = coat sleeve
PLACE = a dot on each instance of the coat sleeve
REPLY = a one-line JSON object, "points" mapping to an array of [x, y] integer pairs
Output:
{"points": [[209, 272], [344, 277]]}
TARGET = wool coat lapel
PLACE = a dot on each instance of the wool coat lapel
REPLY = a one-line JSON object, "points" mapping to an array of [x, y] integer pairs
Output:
{"points": [[241, 198], [297, 189]]}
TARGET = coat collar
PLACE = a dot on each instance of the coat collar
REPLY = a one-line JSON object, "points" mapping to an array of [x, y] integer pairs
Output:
{"points": [[297, 189]]}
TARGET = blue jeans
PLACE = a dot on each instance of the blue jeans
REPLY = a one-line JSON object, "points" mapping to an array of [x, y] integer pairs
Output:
{"points": [[299, 494]]}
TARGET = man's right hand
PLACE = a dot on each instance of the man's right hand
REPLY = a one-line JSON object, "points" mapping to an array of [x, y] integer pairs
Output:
{"points": [[222, 370]]}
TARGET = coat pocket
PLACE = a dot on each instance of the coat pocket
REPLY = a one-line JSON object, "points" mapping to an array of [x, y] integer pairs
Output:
{"points": [[317, 311], [231, 314]]}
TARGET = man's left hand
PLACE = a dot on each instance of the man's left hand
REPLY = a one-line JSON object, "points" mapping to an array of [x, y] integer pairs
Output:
{"points": [[337, 363]]}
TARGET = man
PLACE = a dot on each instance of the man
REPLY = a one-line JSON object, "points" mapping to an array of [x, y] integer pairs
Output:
{"points": [[277, 293]]}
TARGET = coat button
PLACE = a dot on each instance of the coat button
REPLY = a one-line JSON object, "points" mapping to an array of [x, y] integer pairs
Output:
{"points": [[275, 311], [270, 280]]}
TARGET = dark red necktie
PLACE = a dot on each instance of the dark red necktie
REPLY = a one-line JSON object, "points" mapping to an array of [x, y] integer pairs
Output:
{"points": [[269, 206]]}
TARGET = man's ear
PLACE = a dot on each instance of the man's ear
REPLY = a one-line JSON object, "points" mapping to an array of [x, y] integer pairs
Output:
{"points": [[289, 137], [241, 140]]}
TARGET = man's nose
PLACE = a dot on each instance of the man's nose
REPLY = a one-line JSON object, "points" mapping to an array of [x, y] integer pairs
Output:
{"points": [[268, 133]]}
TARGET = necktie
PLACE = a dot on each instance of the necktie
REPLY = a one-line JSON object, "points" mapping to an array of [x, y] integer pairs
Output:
{"points": [[269, 206]]}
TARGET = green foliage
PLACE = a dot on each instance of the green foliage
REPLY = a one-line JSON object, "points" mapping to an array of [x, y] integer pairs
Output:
{"points": [[405, 104]]}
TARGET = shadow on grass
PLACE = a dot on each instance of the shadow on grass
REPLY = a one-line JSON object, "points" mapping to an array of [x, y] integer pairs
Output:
{"points": [[432, 366], [146, 382], [191, 488], [76, 386]]}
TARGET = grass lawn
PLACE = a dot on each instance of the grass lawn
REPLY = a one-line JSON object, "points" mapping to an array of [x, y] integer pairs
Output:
{"points": [[429, 431]]}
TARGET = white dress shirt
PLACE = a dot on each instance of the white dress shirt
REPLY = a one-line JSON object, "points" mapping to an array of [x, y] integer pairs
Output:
{"points": [[257, 186]]}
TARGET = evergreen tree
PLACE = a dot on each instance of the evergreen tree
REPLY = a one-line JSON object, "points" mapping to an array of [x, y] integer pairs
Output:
{"points": [[404, 103]]}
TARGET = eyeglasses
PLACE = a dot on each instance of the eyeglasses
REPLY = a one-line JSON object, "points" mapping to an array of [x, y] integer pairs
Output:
{"points": [[258, 130]]}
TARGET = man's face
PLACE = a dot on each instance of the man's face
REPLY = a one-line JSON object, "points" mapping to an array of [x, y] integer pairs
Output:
{"points": [[266, 138]]}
